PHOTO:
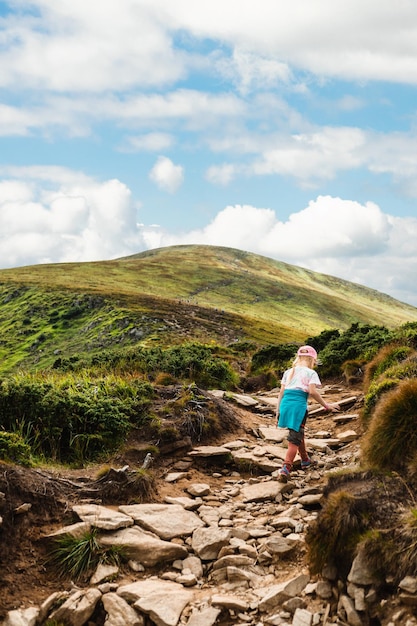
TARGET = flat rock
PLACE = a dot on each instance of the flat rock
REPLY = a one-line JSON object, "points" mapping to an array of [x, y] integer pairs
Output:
{"points": [[322, 444], [102, 517], [165, 520], [207, 451], [278, 435], [267, 490], [190, 504], [172, 477], [143, 546]]}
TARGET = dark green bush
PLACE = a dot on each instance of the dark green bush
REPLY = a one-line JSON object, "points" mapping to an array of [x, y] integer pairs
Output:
{"points": [[357, 342], [72, 419], [273, 357], [191, 362], [14, 449]]}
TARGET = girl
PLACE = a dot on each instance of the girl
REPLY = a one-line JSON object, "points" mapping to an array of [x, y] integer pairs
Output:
{"points": [[298, 384]]}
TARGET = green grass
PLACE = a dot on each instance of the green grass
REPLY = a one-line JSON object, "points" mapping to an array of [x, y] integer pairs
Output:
{"points": [[171, 295]]}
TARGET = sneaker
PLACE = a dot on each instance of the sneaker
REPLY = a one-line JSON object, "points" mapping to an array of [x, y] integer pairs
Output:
{"points": [[284, 474], [307, 463]]}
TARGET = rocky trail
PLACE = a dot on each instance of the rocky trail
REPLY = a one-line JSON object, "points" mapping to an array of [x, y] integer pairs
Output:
{"points": [[222, 543]]}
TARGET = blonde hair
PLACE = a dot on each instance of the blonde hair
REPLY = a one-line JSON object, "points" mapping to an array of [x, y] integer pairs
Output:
{"points": [[304, 359]]}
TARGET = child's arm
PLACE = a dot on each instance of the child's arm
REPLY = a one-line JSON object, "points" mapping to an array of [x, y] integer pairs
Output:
{"points": [[313, 392], [281, 393]]}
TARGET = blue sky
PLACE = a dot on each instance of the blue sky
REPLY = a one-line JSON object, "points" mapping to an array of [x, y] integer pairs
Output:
{"points": [[288, 129]]}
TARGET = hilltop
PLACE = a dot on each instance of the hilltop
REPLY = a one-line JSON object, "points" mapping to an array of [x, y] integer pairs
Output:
{"points": [[170, 295]]}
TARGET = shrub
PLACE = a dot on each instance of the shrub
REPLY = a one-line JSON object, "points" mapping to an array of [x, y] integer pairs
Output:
{"points": [[191, 362], [393, 551], [375, 393], [390, 442], [273, 357], [69, 418], [385, 358], [388, 372], [353, 370], [333, 538], [14, 449], [357, 342]]}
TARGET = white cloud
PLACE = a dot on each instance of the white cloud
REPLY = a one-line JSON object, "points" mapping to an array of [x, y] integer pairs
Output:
{"points": [[221, 174], [363, 41], [166, 175], [74, 47], [57, 215], [76, 115], [330, 227], [151, 142], [251, 71]]}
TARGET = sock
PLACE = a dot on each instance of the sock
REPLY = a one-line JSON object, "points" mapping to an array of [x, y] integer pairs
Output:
{"points": [[290, 456], [303, 452]]}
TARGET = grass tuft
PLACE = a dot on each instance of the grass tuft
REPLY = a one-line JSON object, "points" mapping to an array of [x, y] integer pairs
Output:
{"points": [[391, 439], [76, 557]]}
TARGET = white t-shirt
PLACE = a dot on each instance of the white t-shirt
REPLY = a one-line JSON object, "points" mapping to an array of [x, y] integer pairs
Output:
{"points": [[301, 378]]}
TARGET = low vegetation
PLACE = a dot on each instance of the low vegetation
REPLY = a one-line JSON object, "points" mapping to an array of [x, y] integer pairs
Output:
{"points": [[94, 353], [75, 557], [372, 509], [70, 419]]}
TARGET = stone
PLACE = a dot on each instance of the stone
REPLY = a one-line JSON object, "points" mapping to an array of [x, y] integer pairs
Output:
{"points": [[236, 560], [277, 435], [352, 616], [119, 612], [244, 400], [408, 584], [199, 489], [278, 546], [102, 517], [360, 573], [164, 605], [103, 573], [194, 565], [74, 530], [347, 436], [229, 602], [302, 617], [165, 520], [207, 542], [21, 617], [208, 451], [324, 589], [189, 504], [143, 546], [78, 608], [266, 490], [204, 616], [311, 500], [55, 599], [277, 594], [173, 477]]}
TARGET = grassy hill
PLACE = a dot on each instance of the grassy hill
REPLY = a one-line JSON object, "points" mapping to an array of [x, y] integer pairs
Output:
{"points": [[165, 296]]}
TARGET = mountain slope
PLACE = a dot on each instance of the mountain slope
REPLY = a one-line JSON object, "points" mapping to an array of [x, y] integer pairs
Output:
{"points": [[173, 294]]}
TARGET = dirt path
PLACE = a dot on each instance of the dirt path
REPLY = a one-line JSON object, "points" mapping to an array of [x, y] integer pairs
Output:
{"points": [[25, 579]]}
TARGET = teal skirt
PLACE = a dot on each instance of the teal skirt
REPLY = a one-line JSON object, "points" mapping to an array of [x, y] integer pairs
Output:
{"points": [[292, 409]]}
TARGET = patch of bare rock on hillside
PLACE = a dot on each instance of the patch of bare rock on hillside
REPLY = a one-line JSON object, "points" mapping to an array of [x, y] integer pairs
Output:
{"points": [[224, 541]]}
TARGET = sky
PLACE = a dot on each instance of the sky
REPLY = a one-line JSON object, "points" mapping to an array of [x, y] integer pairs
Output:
{"points": [[287, 129]]}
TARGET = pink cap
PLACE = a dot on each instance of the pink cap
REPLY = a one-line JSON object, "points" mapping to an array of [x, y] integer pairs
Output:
{"points": [[307, 351]]}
